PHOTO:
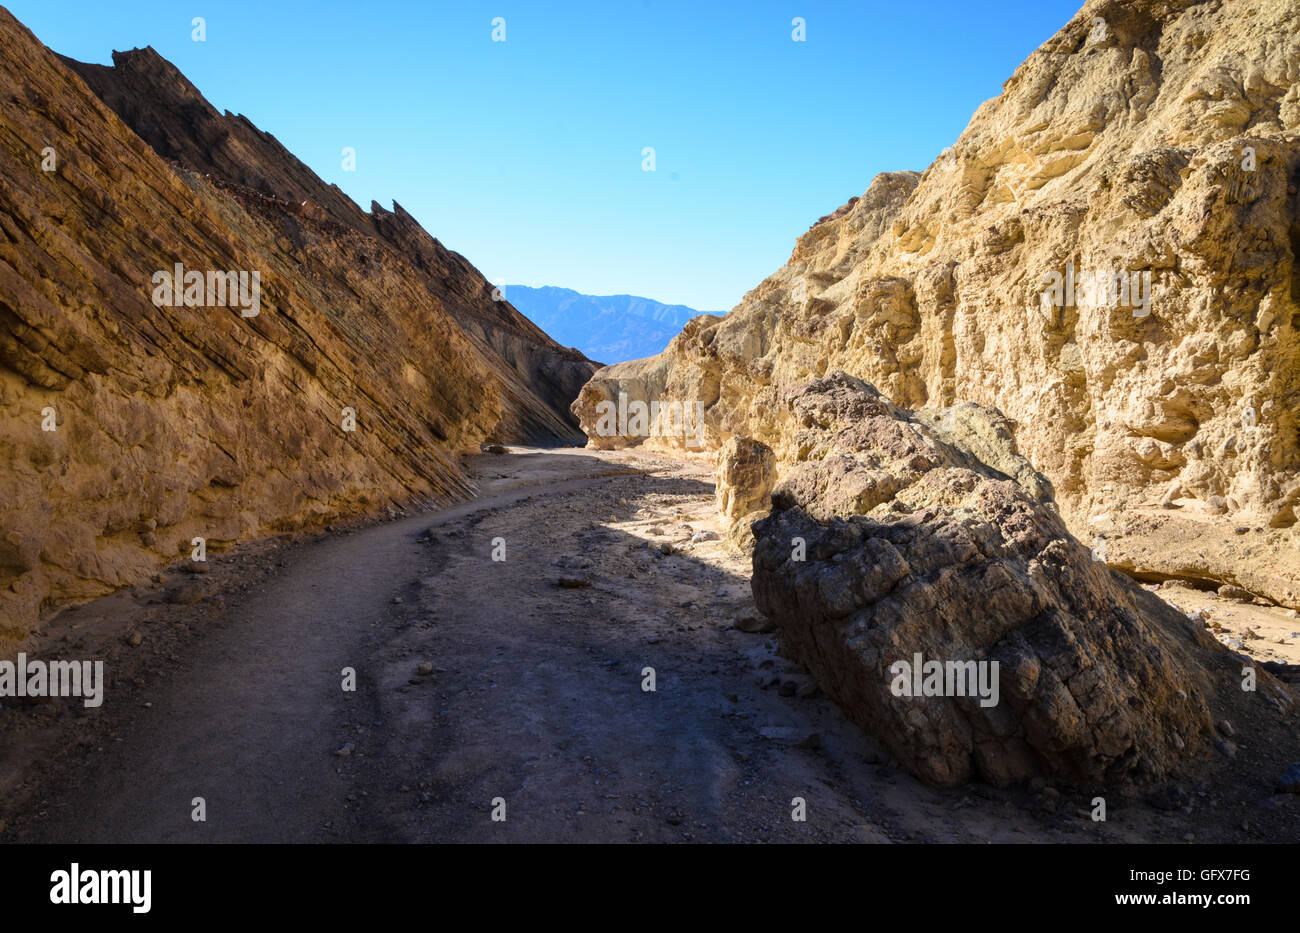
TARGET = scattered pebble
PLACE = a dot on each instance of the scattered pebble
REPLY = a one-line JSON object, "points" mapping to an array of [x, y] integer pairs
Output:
{"points": [[756, 625], [1225, 748]]}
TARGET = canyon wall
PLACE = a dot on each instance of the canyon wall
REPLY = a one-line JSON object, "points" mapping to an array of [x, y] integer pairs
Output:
{"points": [[132, 423], [1107, 255]]}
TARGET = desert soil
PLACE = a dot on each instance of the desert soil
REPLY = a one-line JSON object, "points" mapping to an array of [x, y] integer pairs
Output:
{"points": [[479, 679]]}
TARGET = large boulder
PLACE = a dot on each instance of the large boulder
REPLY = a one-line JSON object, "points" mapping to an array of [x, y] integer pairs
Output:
{"points": [[903, 571]]}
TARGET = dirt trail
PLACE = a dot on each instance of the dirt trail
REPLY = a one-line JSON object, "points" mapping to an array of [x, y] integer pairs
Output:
{"points": [[535, 695]]}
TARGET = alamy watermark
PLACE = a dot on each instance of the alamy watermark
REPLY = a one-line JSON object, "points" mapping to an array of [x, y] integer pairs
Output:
{"points": [[79, 885], [654, 419], [921, 678], [195, 289], [25, 678], [1098, 288]]}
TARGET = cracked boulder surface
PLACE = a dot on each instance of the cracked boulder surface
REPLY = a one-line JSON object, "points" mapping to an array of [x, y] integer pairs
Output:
{"points": [[890, 538]]}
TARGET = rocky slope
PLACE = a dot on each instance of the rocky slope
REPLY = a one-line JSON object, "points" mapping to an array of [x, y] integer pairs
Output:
{"points": [[132, 427], [895, 553], [1154, 138], [169, 113]]}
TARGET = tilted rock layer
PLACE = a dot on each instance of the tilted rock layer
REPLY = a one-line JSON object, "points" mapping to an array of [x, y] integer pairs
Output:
{"points": [[892, 540], [538, 379], [130, 429], [1152, 138]]}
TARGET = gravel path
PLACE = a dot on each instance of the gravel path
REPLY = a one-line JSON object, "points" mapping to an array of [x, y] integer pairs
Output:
{"points": [[485, 685]]}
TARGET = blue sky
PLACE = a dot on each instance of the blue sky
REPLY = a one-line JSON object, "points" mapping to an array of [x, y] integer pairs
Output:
{"points": [[526, 155]]}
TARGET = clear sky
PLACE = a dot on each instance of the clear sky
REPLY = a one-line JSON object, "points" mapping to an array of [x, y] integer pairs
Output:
{"points": [[526, 155]]}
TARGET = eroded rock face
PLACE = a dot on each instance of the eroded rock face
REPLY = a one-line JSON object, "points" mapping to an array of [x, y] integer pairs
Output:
{"points": [[892, 541], [1156, 139], [746, 473], [131, 428], [538, 379]]}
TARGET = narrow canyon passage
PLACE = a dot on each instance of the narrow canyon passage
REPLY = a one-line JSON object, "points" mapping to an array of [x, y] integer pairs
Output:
{"points": [[482, 680]]}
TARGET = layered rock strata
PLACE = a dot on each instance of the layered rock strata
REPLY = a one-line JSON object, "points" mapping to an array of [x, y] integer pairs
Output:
{"points": [[312, 363]]}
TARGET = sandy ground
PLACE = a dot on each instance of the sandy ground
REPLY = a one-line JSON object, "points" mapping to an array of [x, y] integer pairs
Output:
{"points": [[520, 681], [1263, 631]]}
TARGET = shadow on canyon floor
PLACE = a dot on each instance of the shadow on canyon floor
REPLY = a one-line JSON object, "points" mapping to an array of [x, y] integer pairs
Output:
{"points": [[480, 679]]}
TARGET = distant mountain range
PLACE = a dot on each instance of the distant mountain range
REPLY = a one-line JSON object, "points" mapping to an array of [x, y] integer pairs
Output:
{"points": [[607, 328]]}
